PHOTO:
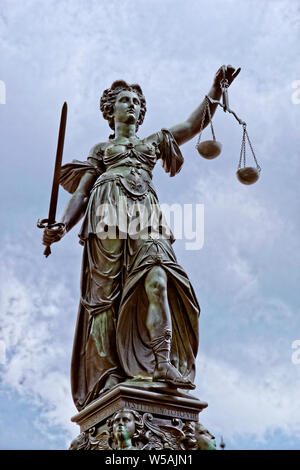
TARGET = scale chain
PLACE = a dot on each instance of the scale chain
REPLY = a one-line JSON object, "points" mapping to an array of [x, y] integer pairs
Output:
{"points": [[250, 145], [243, 149], [206, 110], [210, 119]]}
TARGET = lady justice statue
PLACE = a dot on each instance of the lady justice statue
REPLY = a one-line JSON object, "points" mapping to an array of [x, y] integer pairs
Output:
{"points": [[138, 314]]}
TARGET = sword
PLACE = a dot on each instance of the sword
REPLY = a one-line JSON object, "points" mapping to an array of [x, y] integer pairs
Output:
{"points": [[50, 222]]}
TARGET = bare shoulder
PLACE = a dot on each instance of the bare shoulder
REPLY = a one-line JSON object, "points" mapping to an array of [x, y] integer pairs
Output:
{"points": [[97, 150], [155, 138]]}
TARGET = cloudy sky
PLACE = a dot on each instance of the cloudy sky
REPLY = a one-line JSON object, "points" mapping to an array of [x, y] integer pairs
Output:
{"points": [[246, 276]]}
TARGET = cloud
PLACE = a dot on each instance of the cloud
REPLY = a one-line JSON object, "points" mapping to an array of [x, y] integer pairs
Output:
{"points": [[37, 349], [248, 404]]}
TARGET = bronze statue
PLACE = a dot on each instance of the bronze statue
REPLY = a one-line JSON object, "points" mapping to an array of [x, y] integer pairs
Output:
{"points": [[138, 314]]}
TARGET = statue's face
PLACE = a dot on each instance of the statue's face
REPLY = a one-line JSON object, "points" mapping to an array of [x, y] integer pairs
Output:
{"points": [[124, 425], [127, 107], [205, 440]]}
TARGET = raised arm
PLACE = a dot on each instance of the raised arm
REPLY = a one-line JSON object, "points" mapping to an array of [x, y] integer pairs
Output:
{"points": [[74, 210], [189, 128]]}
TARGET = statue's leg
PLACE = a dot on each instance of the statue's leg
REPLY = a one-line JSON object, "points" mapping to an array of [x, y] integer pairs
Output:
{"points": [[159, 325], [158, 318]]}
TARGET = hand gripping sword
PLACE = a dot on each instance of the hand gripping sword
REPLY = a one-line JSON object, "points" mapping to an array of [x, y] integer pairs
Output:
{"points": [[50, 222]]}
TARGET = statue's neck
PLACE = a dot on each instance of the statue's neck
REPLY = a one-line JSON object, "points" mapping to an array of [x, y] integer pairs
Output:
{"points": [[124, 130]]}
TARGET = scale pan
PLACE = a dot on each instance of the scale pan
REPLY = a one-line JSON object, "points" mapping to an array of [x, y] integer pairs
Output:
{"points": [[247, 175], [209, 149]]}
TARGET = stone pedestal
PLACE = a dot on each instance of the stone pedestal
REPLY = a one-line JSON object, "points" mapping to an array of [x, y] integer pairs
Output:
{"points": [[158, 417]]}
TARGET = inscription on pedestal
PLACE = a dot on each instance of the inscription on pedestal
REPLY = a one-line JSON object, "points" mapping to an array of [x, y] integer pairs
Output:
{"points": [[161, 410]]}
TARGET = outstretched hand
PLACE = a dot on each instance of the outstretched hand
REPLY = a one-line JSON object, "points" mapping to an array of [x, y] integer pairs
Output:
{"points": [[227, 72]]}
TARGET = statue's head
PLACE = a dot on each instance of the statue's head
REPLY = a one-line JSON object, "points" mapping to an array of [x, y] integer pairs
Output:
{"points": [[205, 440], [196, 436], [123, 102], [125, 426]]}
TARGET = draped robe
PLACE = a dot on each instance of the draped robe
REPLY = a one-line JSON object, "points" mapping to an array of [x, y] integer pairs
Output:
{"points": [[111, 335]]}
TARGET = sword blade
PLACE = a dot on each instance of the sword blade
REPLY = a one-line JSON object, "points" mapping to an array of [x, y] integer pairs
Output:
{"points": [[57, 167]]}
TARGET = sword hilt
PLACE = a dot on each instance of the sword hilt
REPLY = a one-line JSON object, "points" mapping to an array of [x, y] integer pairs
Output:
{"points": [[44, 223]]}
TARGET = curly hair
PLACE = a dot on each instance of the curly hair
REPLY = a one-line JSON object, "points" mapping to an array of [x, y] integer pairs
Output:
{"points": [[138, 425], [109, 97]]}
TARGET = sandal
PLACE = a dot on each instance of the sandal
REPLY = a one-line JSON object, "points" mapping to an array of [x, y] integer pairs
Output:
{"points": [[166, 372]]}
